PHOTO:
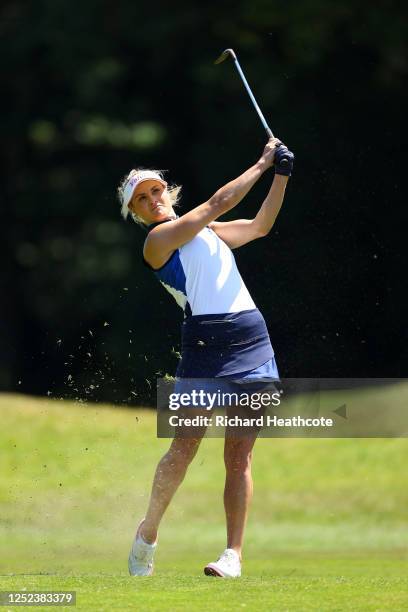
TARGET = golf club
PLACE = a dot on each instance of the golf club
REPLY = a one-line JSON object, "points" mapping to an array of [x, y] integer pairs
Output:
{"points": [[223, 57]]}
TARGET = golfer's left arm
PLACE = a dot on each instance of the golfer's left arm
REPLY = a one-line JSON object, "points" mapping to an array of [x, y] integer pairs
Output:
{"points": [[241, 231]]}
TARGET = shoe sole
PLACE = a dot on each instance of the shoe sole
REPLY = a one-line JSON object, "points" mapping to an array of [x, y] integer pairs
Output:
{"points": [[140, 575], [209, 570]]}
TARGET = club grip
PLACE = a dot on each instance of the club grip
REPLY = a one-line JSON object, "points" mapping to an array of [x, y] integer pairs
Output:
{"points": [[284, 161]]}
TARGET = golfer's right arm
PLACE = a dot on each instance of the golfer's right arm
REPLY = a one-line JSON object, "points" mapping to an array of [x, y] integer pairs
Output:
{"points": [[167, 237]]}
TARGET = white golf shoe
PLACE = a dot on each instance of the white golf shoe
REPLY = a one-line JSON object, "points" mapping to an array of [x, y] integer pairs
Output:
{"points": [[141, 555], [227, 566]]}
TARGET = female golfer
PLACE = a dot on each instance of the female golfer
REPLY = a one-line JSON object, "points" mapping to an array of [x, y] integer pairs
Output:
{"points": [[223, 332]]}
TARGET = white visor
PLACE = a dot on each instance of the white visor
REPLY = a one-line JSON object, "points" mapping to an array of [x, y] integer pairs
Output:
{"points": [[135, 178]]}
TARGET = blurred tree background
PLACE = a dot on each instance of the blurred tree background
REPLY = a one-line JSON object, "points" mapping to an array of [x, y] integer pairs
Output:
{"points": [[91, 90]]}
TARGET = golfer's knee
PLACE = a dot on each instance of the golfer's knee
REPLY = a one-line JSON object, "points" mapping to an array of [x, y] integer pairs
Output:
{"points": [[238, 459], [182, 452]]}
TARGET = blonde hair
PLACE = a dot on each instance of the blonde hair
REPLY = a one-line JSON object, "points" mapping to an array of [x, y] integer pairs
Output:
{"points": [[173, 192]]}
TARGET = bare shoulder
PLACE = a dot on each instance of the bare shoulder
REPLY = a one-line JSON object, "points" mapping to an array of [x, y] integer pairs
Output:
{"points": [[155, 252], [165, 238]]}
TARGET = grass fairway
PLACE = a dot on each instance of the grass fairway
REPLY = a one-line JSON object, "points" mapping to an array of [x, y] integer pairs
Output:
{"points": [[327, 529]]}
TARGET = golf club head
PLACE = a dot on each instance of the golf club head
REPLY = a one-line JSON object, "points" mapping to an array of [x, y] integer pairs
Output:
{"points": [[224, 56]]}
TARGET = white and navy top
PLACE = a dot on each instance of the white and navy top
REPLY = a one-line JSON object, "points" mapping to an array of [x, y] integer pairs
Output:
{"points": [[223, 332], [203, 277]]}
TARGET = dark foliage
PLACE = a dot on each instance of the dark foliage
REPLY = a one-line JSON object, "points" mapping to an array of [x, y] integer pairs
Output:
{"points": [[90, 90]]}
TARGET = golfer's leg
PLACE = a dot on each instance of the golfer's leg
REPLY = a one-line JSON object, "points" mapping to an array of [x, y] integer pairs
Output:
{"points": [[169, 474], [238, 487]]}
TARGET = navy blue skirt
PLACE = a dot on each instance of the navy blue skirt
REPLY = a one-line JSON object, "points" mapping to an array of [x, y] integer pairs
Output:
{"points": [[218, 345], [261, 379]]}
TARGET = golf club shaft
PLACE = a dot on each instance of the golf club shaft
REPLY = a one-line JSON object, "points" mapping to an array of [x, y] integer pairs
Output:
{"points": [[231, 53], [254, 102], [251, 95]]}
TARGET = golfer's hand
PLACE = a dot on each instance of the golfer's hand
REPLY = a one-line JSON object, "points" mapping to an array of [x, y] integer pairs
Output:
{"points": [[268, 155]]}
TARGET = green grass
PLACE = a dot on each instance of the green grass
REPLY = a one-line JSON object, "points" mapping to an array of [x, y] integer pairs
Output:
{"points": [[327, 529]]}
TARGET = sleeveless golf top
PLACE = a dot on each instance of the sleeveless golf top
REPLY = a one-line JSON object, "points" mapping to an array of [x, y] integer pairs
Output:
{"points": [[203, 277]]}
